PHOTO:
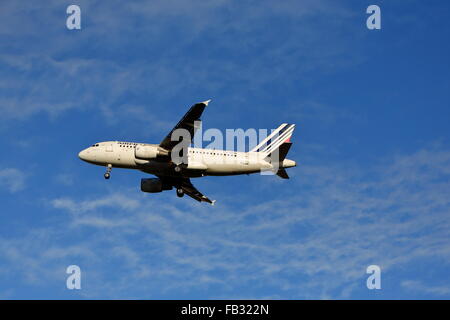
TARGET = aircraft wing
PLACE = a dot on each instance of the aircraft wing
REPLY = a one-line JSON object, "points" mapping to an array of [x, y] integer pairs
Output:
{"points": [[187, 122], [188, 188], [192, 192]]}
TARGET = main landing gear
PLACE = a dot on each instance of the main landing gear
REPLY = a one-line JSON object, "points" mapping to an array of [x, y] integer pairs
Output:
{"points": [[107, 174], [180, 192]]}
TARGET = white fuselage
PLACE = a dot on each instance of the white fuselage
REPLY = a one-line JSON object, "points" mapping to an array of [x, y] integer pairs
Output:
{"points": [[201, 162]]}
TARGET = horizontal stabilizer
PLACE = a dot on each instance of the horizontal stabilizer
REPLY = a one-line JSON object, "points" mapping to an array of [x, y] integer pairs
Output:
{"points": [[282, 174]]}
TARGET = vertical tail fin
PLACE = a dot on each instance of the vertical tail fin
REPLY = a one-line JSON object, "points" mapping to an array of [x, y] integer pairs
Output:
{"points": [[279, 137], [267, 140]]}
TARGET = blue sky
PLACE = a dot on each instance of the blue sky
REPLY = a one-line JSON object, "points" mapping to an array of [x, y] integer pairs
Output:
{"points": [[372, 142]]}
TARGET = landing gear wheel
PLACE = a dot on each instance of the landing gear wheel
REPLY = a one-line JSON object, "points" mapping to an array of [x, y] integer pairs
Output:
{"points": [[108, 171], [177, 169], [180, 192]]}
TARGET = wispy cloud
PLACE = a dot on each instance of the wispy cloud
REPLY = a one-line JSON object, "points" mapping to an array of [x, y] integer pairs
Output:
{"points": [[116, 201], [313, 238], [421, 288], [99, 81], [12, 179], [343, 221]]}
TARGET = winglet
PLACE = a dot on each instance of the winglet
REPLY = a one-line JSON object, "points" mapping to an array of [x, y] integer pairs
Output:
{"points": [[206, 102], [213, 202]]}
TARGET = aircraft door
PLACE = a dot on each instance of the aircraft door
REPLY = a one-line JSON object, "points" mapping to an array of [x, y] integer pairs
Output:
{"points": [[110, 154]]}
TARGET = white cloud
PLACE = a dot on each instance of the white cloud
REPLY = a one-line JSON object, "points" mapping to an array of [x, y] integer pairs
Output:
{"points": [[12, 179], [116, 201], [323, 232], [85, 82], [65, 179], [419, 287]]}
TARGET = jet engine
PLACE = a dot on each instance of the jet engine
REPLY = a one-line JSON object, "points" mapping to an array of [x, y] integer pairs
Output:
{"points": [[146, 152], [149, 152], [154, 185]]}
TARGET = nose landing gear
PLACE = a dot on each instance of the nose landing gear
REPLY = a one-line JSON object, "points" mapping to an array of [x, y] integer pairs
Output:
{"points": [[180, 192], [107, 174]]}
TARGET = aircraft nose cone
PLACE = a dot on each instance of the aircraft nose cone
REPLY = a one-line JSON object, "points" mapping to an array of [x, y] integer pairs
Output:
{"points": [[83, 155]]}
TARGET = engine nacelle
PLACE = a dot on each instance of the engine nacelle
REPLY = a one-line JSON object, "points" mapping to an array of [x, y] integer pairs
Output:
{"points": [[154, 185], [146, 152]]}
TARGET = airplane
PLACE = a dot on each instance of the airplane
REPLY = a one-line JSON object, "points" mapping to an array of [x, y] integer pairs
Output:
{"points": [[158, 159]]}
